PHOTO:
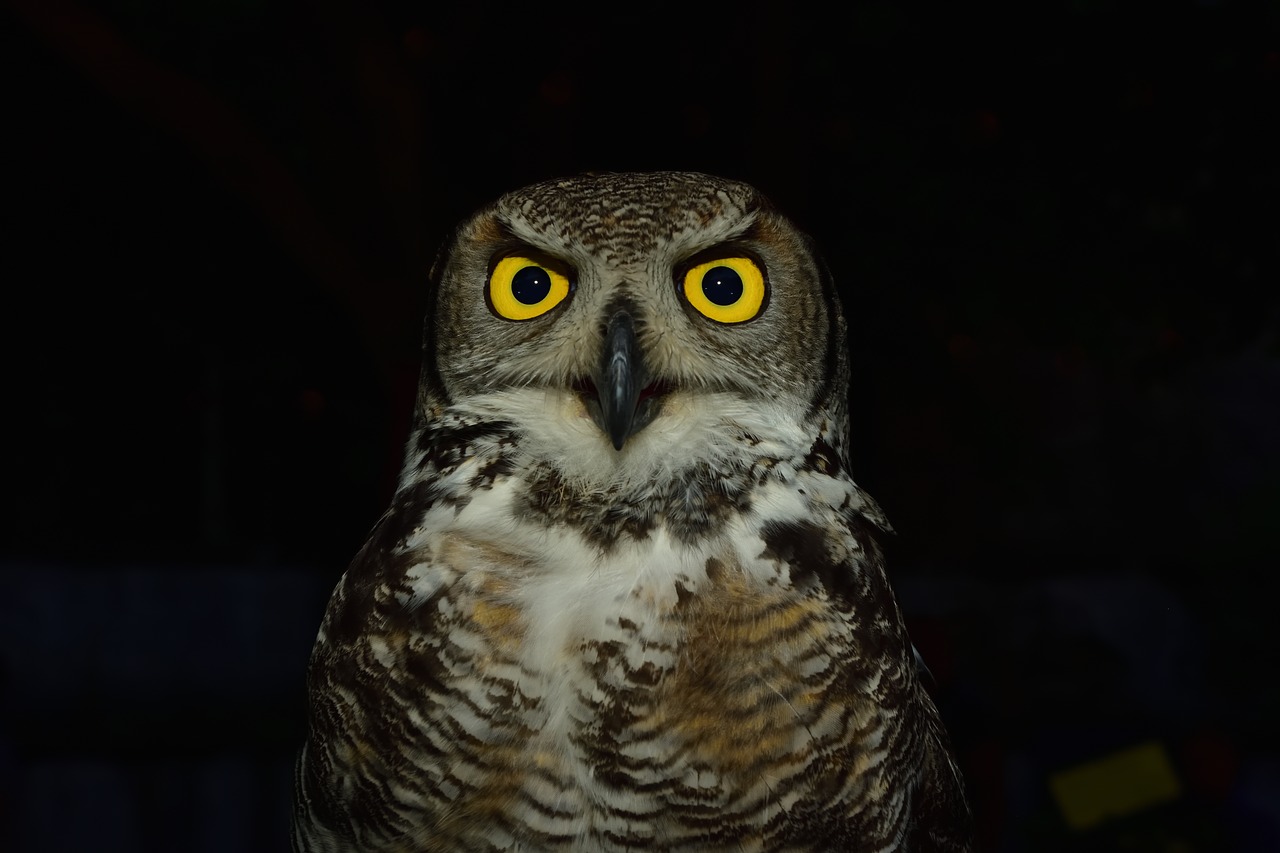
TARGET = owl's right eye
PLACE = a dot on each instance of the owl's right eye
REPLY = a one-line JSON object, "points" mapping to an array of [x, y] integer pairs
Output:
{"points": [[521, 288]]}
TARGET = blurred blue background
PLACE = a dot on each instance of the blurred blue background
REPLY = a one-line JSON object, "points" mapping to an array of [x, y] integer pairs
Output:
{"points": [[1054, 228]]}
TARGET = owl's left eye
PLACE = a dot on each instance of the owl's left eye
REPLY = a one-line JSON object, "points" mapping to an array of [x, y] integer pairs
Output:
{"points": [[521, 288], [727, 290]]}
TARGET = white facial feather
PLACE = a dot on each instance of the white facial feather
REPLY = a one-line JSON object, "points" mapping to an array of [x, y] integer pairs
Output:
{"points": [[693, 429]]}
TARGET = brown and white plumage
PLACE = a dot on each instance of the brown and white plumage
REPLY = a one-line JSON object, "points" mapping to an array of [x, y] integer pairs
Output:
{"points": [[627, 596]]}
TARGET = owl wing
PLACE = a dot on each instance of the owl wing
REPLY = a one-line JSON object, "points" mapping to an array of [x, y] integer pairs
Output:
{"points": [[917, 754], [373, 666]]}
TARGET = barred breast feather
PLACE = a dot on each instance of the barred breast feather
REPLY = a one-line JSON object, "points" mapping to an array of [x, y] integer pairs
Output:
{"points": [[718, 665]]}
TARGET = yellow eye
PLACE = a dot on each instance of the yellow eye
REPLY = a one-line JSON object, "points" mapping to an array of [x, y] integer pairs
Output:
{"points": [[521, 288], [727, 290]]}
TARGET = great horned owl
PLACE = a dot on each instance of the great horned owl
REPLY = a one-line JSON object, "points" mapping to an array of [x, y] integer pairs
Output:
{"points": [[627, 596]]}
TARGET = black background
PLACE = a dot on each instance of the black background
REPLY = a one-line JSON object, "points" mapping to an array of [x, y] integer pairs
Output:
{"points": [[1054, 229]]}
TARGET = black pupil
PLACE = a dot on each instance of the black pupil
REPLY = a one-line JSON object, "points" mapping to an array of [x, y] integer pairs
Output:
{"points": [[722, 286], [531, 285]]}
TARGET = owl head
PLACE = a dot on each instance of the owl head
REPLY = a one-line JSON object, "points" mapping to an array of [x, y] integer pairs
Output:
{"points": [[612, 318]]}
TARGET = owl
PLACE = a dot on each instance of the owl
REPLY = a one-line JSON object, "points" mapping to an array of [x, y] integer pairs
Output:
{"points": [[626, 596]]}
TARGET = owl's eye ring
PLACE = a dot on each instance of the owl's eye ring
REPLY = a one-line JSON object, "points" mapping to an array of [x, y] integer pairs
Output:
{"points": [[521, 287], [726, 289]]}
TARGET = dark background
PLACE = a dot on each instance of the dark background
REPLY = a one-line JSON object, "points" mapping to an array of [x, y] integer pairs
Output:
{"points": [[1055, 231]]}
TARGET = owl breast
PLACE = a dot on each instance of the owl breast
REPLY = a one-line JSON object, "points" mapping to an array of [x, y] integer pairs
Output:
{"points": [[724, 704], [664, 694]]}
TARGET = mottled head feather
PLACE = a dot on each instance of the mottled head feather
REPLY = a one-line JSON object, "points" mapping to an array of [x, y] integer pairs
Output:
{"points": [[625, 237]]}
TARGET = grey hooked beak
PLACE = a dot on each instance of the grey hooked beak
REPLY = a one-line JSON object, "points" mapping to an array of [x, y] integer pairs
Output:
{"points": [[621, 379]]}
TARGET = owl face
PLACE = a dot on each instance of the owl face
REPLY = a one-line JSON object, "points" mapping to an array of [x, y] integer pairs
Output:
{"points": [[626, 298]]}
